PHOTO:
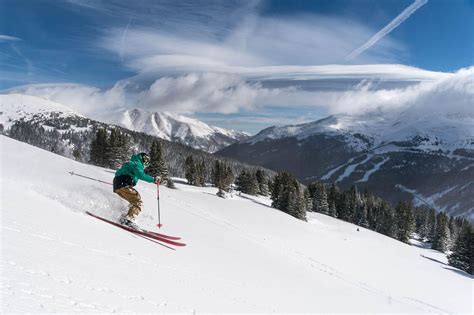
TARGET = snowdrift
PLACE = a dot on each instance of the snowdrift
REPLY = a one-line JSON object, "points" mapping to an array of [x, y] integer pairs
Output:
{"points": [[241, 255]]}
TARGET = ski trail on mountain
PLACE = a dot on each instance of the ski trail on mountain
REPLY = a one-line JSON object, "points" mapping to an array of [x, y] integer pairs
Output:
{"points": [[331, 172], [351, 168], [373, 170]]}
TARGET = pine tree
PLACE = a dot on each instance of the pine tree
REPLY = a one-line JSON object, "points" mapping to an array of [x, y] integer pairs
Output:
{"points": [[312, 187], [308, 200], [157, 165], [441, 237], [99, 148], [240, 181], [228, 178], [262, 182], [297, 204], [113, 147], [302, 209], [292, 201], [155, 157], [287, 195], [422, 227], [361, 216], [320, 199], [354, 202], [332, 209], [216, 173], [247, 182], [200, 175], [403, 221], [117, 149], [333, 200], [462, 255], [370, 204], [344, 206], [276, 191], [163, 171], [453, 232], [125, 147], [222, 177], [431, 225], [279, 192], [386, 220], [253, 185], [190, 170]]}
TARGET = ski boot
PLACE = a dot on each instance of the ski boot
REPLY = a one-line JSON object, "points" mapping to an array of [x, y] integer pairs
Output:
{"points": [[130, 222]]}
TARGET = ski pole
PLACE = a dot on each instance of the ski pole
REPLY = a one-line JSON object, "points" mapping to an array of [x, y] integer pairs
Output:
{"points": [[94, 179], [158, 199]]}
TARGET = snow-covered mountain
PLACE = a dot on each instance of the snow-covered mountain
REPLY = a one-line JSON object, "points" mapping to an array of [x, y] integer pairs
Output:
{"points": [[241, 255], [178, 128], [433, 131], [168, 126], [411, 155], [15, 107]]}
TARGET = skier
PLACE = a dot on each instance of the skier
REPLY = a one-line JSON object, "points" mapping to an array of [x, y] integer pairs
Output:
{"points": [[127, 177]]}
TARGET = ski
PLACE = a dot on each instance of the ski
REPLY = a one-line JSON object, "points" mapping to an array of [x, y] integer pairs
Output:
{"points": [[149, 234]]}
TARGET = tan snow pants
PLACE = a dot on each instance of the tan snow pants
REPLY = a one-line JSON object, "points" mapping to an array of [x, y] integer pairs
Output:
{"points": [[133, 197]]}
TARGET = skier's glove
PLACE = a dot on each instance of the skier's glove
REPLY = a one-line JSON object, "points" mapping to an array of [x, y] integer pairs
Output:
{"points": [[157, 179]]}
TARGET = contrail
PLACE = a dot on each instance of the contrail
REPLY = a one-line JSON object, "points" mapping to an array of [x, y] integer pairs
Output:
{"points": [[8, 38], [388, 28], [123, 37]]}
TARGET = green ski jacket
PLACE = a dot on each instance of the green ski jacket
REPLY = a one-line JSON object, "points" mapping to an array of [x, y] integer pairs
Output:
{"points": [[135, 169]]}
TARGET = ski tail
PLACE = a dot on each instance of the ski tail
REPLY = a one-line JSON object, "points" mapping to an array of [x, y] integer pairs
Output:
{"points": [[175, 238]]}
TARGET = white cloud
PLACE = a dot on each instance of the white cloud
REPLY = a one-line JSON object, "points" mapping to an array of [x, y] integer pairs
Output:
{"points": [[254, 43], [453, 93], [228, 93], [87, 100], [205, 92]]}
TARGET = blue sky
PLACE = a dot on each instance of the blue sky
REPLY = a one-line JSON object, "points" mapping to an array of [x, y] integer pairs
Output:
{"points": [[240, 64], [438, 37]]}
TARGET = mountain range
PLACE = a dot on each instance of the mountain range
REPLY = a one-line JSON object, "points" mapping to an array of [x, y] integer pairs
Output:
{"points": [[177, 128], [402, 155], [164, 125]]}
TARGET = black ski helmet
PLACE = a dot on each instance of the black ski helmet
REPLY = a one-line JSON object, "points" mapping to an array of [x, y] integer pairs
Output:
{"points": [[145, 158]]}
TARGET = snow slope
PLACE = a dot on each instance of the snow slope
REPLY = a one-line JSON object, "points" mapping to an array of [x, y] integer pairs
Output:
{"points": [[242, 256]]}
